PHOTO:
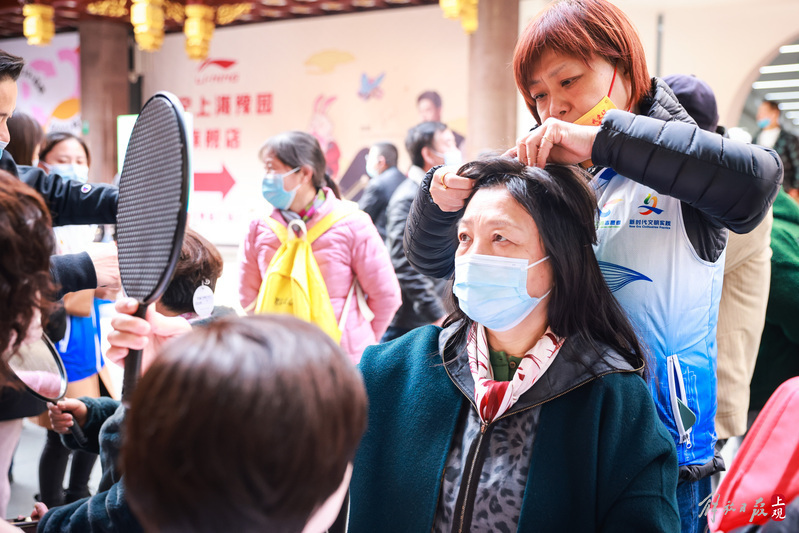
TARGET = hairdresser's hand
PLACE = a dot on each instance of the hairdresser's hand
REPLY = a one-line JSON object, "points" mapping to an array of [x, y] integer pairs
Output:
{"points": [[557, 142], [448, 190], [39, 510], [61, 414], [133, 333], [106, 263]]}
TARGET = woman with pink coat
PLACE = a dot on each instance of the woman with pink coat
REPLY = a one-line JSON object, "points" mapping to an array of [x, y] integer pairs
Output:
{"points": [[298, 188]]}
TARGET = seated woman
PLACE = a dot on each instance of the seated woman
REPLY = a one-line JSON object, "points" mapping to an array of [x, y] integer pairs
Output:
{"points": [[25, 288], [195, 461], [527, 411], [102, 419]]}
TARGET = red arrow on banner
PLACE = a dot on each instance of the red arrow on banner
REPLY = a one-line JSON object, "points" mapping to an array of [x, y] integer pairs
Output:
{"points": [[214, 181]]}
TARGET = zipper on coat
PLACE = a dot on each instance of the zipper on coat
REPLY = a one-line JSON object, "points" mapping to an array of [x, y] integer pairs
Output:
{"points": [[464, 505]]}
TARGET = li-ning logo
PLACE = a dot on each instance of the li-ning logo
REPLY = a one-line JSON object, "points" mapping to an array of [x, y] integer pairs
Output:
{"points": [[650, 206], [605, 211], [213, 74]]}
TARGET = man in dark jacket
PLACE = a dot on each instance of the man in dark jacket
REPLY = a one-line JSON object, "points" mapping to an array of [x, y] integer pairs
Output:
{"points": [[421, 295], [70, 202], [772, 135], [381, 165]]}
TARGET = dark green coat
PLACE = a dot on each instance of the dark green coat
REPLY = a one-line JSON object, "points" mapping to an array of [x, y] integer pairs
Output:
{"points": [[778, 358], [602, 460]]}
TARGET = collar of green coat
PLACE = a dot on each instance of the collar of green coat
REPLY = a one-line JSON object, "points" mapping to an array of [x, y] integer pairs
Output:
{"points": [[572, 368]]}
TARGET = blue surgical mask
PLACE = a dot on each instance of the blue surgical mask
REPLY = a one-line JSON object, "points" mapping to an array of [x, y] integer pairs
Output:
{"points": [[763, 123], [452, 158], [3, 145], [492, 290], [371, 169], [275, 192], [79, 173]]}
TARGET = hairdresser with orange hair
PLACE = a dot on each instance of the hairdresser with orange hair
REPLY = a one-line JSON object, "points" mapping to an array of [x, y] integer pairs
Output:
{"points": [[667, 192]]}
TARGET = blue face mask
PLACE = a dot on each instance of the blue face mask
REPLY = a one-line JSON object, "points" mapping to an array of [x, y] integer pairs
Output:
{"points": [[275, 192], [492, 290], [3, 145], [763, 123], [79, 173]]}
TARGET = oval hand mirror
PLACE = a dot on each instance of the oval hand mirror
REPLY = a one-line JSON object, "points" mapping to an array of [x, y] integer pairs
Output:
{"points": [[41, 370]]}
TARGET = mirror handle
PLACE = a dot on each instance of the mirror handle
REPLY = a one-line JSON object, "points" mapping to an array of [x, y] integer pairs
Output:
{"points": [[77, 432]]}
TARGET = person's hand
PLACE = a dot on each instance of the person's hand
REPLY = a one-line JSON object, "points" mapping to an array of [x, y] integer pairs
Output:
{"points": [[61, 414], [557, 142], [448, 190], [106, 263], [39, 510], [106, 293], [134, 333]]}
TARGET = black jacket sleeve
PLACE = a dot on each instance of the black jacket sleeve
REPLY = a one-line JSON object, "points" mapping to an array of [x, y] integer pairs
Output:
{"points": [[418, 291], [373, 201], [72, 272], [732, 182], [71, 202], [431, 234]]}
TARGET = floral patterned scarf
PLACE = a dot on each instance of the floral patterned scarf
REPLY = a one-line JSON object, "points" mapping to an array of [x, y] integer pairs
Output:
{"points": [[494, 398]]}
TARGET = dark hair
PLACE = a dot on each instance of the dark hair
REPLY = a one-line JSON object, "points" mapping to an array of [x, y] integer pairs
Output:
{"points": [[300, 149], [773, 105], [55, 137], [26, 135], [26, 240], [697, 98], [388, 151], [247, 424], [433, 96], [581, 306], [10, 66], [582, 29], [199, 262], [420, 136]]}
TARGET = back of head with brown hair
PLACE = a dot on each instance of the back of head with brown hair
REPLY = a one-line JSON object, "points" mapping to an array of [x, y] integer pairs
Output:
{"points": [[26, 135], [25, 244], [200, 263], [247, 424], [582, 29]]}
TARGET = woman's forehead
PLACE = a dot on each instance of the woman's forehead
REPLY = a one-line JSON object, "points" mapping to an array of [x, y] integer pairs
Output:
{"points": [[495, 205], [551, 63]]}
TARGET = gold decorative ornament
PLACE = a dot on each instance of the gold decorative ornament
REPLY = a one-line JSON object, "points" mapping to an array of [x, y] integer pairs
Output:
{"points": [[108, 8], [465, 10], [333, 6], [198, 29], [174, 11], [227, 13], [38, 25], [147, 18]]}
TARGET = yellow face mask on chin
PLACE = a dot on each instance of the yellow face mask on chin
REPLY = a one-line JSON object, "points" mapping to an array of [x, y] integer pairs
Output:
{"points": [[597, 113]]}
